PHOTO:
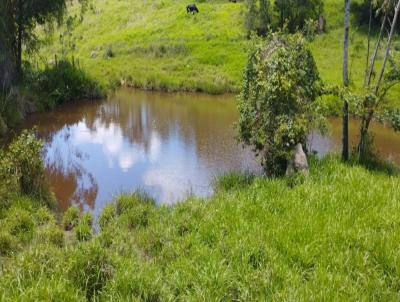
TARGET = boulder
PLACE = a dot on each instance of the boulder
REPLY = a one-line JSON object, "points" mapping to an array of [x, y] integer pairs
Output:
{"points": [[298, 163]]}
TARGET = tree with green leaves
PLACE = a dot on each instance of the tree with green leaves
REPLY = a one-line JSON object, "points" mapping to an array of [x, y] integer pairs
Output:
{"points": [[294, 13], [277, 104], [374, 99], [21, 17]]}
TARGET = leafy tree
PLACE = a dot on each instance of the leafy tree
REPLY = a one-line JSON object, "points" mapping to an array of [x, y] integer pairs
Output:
{"points": [[20, 18], [277, 103], [258, 16], [295, 13], [374, 100], [264, 17]]}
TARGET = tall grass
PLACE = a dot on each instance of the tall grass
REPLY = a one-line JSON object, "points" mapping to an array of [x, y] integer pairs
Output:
{"points": [[332, 237]]}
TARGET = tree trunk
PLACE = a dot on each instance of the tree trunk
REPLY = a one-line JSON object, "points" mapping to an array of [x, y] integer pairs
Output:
{"points": [[345, 122], [18, 47], [368, 118], [18, 58], [368, 44], [378, 42], [389, 42]]}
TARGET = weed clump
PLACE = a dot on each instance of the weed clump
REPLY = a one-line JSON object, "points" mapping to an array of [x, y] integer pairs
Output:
{"points": [[83, 230], [90, 269], [232, 180], [127, 202], [51, 235], [107, 216], [7, 243], [70, 218]]}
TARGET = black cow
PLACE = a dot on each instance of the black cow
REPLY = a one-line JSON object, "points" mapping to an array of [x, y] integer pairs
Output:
{"points": [[192, 8]]}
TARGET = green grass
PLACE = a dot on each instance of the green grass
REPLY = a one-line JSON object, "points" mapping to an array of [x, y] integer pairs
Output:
{"points": [[334, 237], [156, 45]]}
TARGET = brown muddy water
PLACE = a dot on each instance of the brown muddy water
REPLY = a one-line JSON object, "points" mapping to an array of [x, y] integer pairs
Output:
{"points": [[169, 145]]}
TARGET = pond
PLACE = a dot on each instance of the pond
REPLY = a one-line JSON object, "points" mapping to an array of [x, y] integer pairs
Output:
{"points": [[169, 145]]}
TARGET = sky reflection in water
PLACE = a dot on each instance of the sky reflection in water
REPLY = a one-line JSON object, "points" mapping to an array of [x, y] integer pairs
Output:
{"points": [[170, 145]]}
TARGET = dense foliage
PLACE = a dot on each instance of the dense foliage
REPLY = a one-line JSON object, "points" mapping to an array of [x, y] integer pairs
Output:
{"points": [[22, 169], [290, 14], [277, 104], [62, 83]]}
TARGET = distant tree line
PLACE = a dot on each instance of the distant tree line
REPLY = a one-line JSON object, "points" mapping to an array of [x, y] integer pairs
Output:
{"points": [[262, 16]]}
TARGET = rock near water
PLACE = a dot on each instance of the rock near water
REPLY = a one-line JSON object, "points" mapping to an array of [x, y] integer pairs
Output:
{"points": [[298, 163]]}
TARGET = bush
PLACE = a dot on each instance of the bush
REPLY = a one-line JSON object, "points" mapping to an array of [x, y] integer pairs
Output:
{"points": [[294, 14], [277, 104], [63, 83], [22, 169]]}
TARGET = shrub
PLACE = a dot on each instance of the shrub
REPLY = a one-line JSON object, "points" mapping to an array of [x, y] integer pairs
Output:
{"points": [[277, 104], [22, 169], [90, 269], [63, 83], [294, 14], [70, 218]]}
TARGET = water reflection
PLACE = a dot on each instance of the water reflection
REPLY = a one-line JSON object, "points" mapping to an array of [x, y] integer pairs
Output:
{"points": [[170, 145]]}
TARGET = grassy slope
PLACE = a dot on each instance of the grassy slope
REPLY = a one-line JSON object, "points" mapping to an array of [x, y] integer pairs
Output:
{"points": [[333, 238], [157, 45]]}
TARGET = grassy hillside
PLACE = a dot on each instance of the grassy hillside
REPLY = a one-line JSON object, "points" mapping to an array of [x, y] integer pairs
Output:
{"points": [[333, 238], [156, 44]]}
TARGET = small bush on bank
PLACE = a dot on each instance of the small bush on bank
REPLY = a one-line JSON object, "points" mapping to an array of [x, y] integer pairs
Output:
{"points": [[62, 83], [22, 169]]}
